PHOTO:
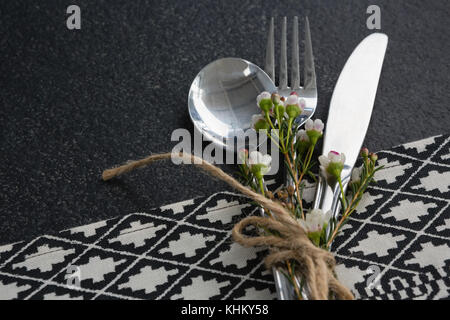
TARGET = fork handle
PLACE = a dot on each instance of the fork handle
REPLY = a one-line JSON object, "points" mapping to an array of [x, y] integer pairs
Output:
{"points": [[285, 289]]}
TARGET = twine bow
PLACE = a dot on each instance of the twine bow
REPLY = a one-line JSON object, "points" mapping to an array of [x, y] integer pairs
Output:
{"points": [[316, 264]]}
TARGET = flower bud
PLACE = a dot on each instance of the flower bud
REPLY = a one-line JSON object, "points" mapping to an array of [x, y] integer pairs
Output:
{"points": [[293, 108], [290, 190], [261, 125], [291, 100], [364, 152], [259, 122], [276, 99], [293, 111], [314, 130], [264, 101], [373, 157], [331, 165]]}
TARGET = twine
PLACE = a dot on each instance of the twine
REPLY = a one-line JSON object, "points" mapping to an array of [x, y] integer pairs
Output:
{"points": [[316, 265]]}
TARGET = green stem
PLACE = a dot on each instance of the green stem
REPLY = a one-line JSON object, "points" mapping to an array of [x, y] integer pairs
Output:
{"points": [[273, 128], [308, 158], [281, 135], [270, 137], [269, 121], [310, 153], [289, 130], [349, 208], [261, 186]]}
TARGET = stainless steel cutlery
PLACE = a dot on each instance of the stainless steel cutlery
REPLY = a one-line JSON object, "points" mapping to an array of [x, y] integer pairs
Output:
{"points": [[349, 114], [219, 113]]}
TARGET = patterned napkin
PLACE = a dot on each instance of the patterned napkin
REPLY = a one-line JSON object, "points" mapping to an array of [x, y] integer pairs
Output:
{"points": [[396, 246]]}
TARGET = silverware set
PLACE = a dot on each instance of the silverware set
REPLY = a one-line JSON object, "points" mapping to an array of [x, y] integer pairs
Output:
{"points": [[222, 101]]}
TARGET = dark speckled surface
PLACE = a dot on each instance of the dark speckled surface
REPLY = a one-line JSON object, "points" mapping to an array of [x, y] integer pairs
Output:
{"points": [[76, 102]]}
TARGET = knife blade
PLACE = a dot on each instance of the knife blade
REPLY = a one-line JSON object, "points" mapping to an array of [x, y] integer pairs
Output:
{"points": [[350, 111]]}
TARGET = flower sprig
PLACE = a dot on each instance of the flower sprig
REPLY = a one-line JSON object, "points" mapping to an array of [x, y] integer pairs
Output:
{"points": [[277, 121], [361, 178]]}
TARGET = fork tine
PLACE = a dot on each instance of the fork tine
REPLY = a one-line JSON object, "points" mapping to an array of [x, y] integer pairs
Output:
{"points": [[270, 53], [283, 61], [295, 71], [309, 71]]}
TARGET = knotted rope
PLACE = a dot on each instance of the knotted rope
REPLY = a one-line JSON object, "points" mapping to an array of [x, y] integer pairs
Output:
{"points": [[316, 264]]}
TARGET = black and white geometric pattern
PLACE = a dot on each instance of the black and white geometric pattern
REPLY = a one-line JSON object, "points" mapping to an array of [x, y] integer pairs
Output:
{"points": [[395, 246]]}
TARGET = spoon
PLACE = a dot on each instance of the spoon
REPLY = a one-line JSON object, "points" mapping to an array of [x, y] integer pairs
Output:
{"points": [[222, 99]]}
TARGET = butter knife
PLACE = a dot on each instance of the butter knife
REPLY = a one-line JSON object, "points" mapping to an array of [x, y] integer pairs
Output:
{"points": [[349, 114]]}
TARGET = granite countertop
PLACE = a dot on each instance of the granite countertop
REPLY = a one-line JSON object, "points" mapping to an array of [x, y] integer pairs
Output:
{"points": [[74, 102]]}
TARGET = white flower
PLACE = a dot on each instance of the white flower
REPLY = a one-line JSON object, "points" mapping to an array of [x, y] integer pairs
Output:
{"points": [[336, 157], [314, 130], [257, 157], [333, 157], [292, 100], [263, 95], [302, 136], [264, 101], [316, 125], [315, 220], [259, 163], [293, 108], [332, 165], [356, 175]]}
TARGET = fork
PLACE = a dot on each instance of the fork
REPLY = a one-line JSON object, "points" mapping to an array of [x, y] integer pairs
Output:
{"points": [[307, 92]]}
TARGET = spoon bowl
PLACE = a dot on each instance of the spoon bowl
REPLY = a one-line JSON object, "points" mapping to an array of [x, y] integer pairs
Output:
{"points": [[222, 99]]}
